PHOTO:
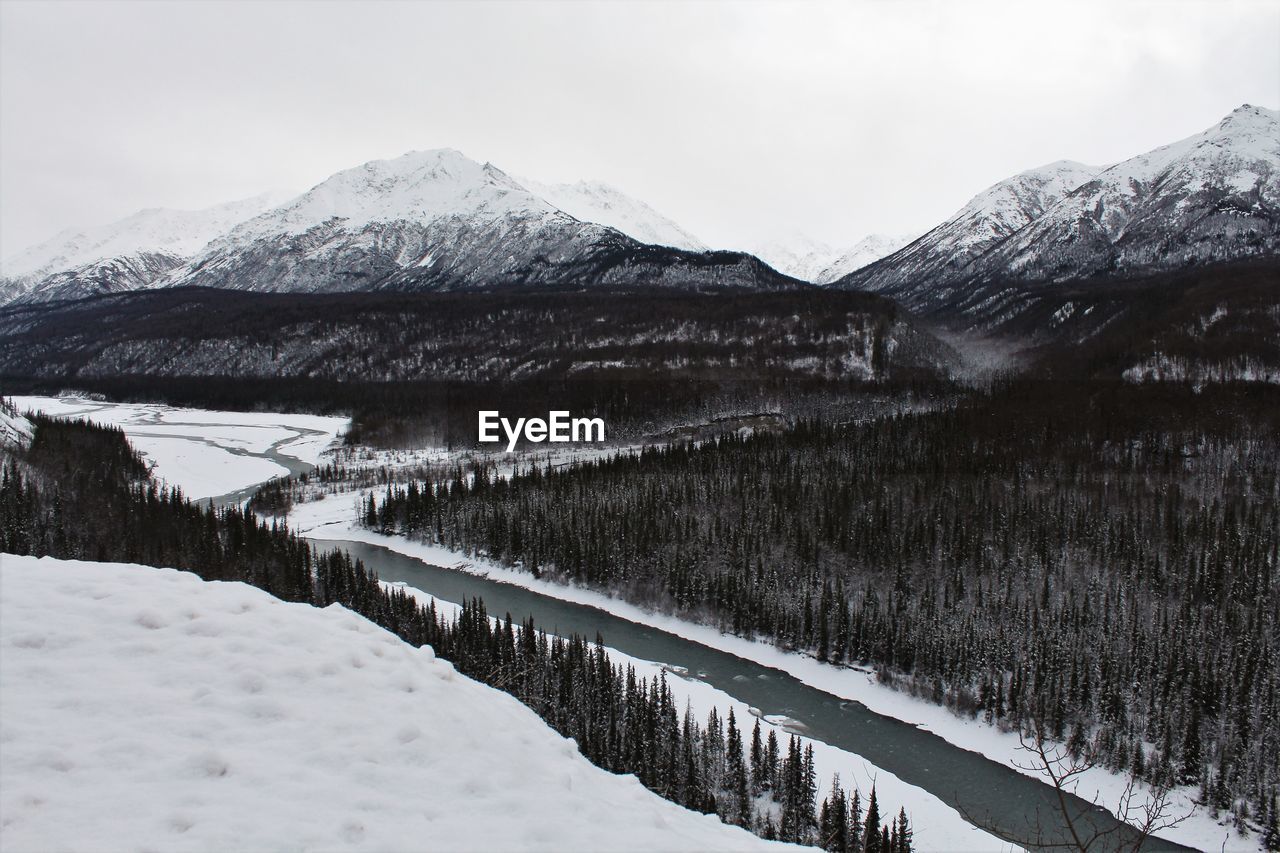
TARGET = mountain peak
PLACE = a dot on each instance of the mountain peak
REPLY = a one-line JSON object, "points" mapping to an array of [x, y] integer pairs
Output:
{"points": [[1249, 122]]}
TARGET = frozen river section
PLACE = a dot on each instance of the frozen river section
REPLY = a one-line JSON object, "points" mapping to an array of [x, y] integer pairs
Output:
{"points": [[221, 457]]}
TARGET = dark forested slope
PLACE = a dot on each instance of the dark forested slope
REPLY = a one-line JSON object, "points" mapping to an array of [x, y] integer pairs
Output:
{"points": [[1098, 558]]}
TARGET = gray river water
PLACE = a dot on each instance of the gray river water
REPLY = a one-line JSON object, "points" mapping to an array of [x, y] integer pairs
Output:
{"points": [[998, 798]]}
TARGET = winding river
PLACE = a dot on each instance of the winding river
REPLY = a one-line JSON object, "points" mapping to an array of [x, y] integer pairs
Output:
{"points": [[1000, 799]]}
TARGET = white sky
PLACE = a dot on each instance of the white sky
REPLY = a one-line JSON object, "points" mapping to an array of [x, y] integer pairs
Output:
{"points": [[736, 119]]}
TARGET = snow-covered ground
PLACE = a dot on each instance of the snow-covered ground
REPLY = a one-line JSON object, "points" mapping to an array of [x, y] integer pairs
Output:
{"points": [[145, 709], [334, 519], [206, 453]]}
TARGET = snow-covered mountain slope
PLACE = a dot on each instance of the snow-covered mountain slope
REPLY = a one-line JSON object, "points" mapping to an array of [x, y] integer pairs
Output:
{"points": [[157, 230], [794, 253], [938, 260], [144, 708], [808, 259], [437, 220], [1212, 197], [110, 275], [125, 255], [594, 201]]}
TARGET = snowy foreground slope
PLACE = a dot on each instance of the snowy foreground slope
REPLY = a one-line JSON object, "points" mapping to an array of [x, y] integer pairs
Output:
{"points": [[146, 709]]}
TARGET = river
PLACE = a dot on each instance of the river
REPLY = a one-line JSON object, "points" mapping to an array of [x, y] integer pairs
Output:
{"points": [[1000, 799]]}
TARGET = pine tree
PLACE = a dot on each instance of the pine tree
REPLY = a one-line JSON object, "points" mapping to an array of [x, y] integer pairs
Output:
{"points": [[871, 828], [833, 820], [758, 773], [905, 835], [855, 823]]}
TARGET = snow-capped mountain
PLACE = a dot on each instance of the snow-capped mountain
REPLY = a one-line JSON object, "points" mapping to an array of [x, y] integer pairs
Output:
{"points": [[109, 275], [937, 261], [437, 220], [809, 259], [427, 220], [156, 230], [594, 201], [123, 255], [1214, 196], [1211, 197]]}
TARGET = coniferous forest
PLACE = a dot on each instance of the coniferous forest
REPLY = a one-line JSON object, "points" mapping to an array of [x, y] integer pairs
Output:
{"points": [[1095, 561], [80, 492]]}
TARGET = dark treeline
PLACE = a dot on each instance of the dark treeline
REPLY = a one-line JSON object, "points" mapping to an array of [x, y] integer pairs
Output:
{"points": [[413, 369], [80, 492], [481, 337], [1096, 559]]}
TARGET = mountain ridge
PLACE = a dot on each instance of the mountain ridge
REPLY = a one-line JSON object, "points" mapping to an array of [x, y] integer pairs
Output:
{"points": [[1209, 198], [426, 220]]}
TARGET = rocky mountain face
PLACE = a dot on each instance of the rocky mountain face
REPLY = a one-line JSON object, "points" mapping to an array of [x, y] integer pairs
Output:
{"points": [[430, 220], [1211, 198], [435, 221], [110, 275], [930, 268]]}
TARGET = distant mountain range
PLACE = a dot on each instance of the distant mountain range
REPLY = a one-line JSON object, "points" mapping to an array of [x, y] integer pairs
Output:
{"points": [[429, 220], [439, 221]]}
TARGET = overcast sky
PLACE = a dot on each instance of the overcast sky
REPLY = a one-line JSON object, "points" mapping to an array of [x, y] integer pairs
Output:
{"points": [[735, 119]]}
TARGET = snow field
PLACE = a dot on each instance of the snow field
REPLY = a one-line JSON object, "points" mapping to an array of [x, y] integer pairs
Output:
{"points": [[145, 709]]}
